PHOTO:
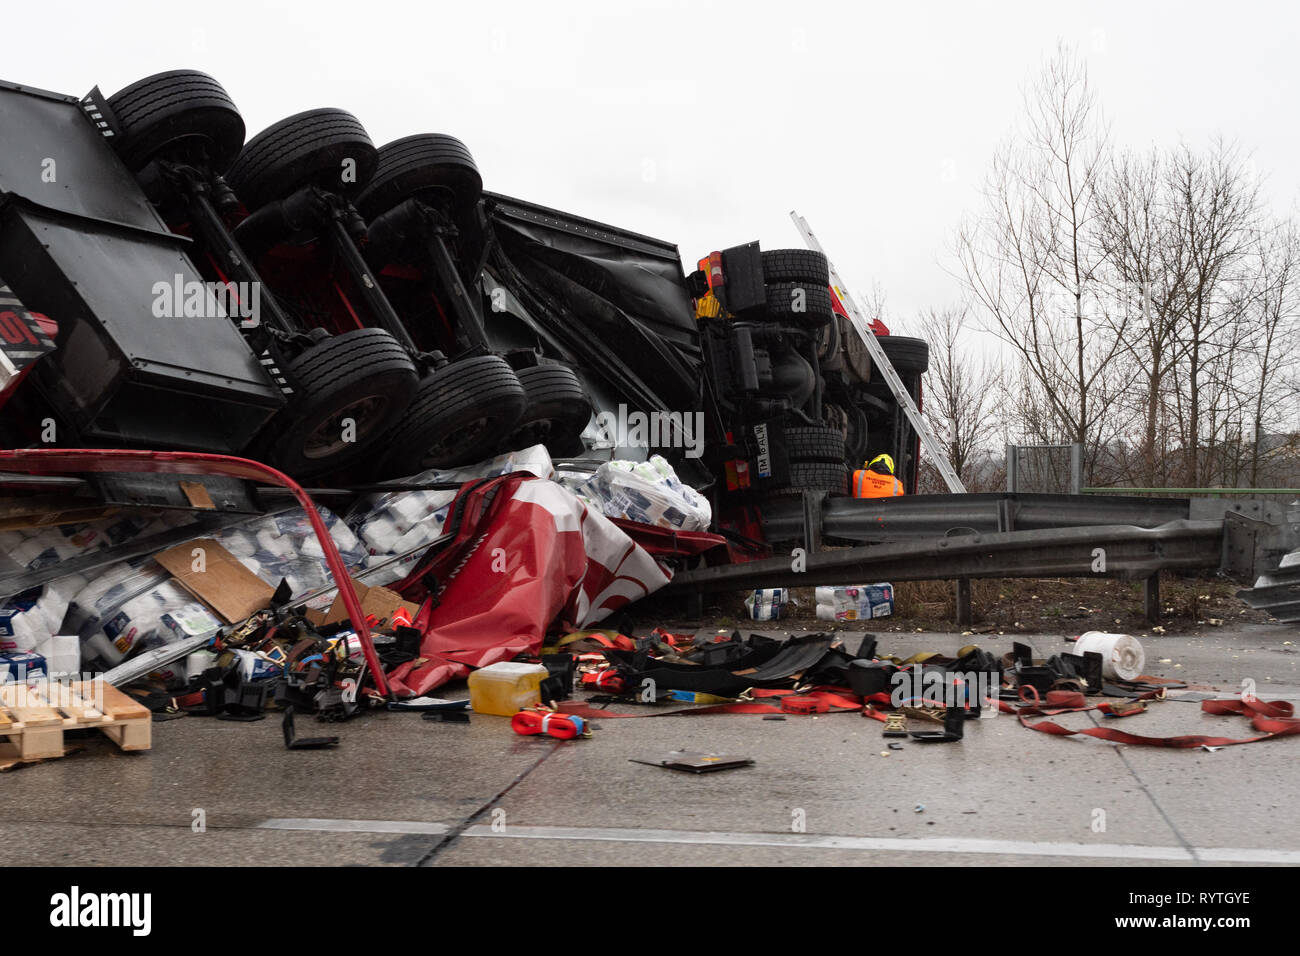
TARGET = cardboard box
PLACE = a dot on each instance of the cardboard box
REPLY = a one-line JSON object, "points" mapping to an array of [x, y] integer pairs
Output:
{"points": [[378, 602], [224, 584]]}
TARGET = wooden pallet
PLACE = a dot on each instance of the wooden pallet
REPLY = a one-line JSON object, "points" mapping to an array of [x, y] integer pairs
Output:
{"points": [[35, 715]]}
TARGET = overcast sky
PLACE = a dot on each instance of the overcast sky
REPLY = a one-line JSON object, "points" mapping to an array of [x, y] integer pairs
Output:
{"points": [[706, 123]]}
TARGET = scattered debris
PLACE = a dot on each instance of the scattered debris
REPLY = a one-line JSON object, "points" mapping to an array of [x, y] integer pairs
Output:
{"points": [[693, 762], [293, 742]]}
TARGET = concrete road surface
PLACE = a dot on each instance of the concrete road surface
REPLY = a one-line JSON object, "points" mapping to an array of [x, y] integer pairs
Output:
{"points": [[402, 791]]}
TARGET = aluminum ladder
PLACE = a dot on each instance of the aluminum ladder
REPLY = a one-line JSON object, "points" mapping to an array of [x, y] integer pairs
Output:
{"points": [[882, 363]]}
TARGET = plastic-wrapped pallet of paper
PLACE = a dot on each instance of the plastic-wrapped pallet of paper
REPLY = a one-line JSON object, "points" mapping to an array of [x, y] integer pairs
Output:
{"points": [[139, 622], [109, 588], [767, 604], [22, 624], [29, 620], [37, 548], [284, 546], [856, 602], [573, 481], [397, 522], [649, 492], [62, 653]]}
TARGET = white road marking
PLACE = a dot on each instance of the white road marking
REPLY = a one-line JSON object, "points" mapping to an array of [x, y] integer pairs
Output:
{"points": [[804, 841], [353, 826]]}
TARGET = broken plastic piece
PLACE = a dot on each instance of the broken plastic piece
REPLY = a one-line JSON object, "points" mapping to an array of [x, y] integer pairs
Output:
{"points": [[294, 742], [142, 664], [428, 703], [693, 762], [953, 722]]}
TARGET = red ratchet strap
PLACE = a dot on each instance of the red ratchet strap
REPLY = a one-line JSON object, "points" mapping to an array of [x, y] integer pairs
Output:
{"points": [[1062, 702], [560, 726], [832, 699], [673, 640], [805, 704], [619, 642], [1276, 719], [607, 679]]}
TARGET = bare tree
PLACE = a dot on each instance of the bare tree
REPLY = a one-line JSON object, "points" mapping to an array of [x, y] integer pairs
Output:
{"points": [[1031, 262], [1150, 307], [1147, 273], [1215, 208], [962, 386]]}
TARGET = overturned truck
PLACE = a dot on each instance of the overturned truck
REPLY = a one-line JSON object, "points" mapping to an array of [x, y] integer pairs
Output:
{"points": [[173, 293], [349, 313]]}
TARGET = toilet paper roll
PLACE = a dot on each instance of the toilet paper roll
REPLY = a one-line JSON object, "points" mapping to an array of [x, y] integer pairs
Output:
{"points": [[1122, 656], [380, 534]]}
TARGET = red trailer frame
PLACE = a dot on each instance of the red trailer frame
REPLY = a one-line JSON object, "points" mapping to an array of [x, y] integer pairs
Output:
{"points": [[46, 461]]}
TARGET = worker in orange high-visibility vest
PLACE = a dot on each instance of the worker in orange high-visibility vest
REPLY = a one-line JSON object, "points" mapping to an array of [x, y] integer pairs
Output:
{"points": [[875, 479]]}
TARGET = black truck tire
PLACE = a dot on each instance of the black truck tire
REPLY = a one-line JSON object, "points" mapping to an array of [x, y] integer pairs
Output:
{"points": [[306, 149], [364, 375], [907, 355], [796, 265], [458, 417], [433, 166], [558, 408], [176, 109], [784, 299], [807, 443], [814, 476]]}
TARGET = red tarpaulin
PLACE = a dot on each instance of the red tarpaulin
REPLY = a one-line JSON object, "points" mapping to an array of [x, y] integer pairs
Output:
{"points": [[525, 555]]}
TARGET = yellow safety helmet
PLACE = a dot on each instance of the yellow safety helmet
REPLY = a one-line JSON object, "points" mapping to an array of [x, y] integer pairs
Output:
{"points": [[882, 460]]}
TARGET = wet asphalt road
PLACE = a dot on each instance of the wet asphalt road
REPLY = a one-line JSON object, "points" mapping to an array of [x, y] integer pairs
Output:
{"points": [[402, 791]]}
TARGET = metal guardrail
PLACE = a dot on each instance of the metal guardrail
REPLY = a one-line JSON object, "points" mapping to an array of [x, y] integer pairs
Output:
{"points": [[875, 520], [1116, 551], [1278, 593], [1192, 491], [881, 519], [940, 537]]}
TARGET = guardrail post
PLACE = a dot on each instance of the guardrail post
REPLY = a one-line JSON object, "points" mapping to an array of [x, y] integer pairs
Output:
{"points": [[812, 521], [962, 594], [1151, 598]]}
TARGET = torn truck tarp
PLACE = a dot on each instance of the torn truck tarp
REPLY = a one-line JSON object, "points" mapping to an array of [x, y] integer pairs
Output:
{"points": [[523, 554]]}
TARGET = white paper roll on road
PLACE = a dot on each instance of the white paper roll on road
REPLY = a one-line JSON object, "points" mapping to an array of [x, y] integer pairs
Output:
{"points": [[1122, 656]]}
